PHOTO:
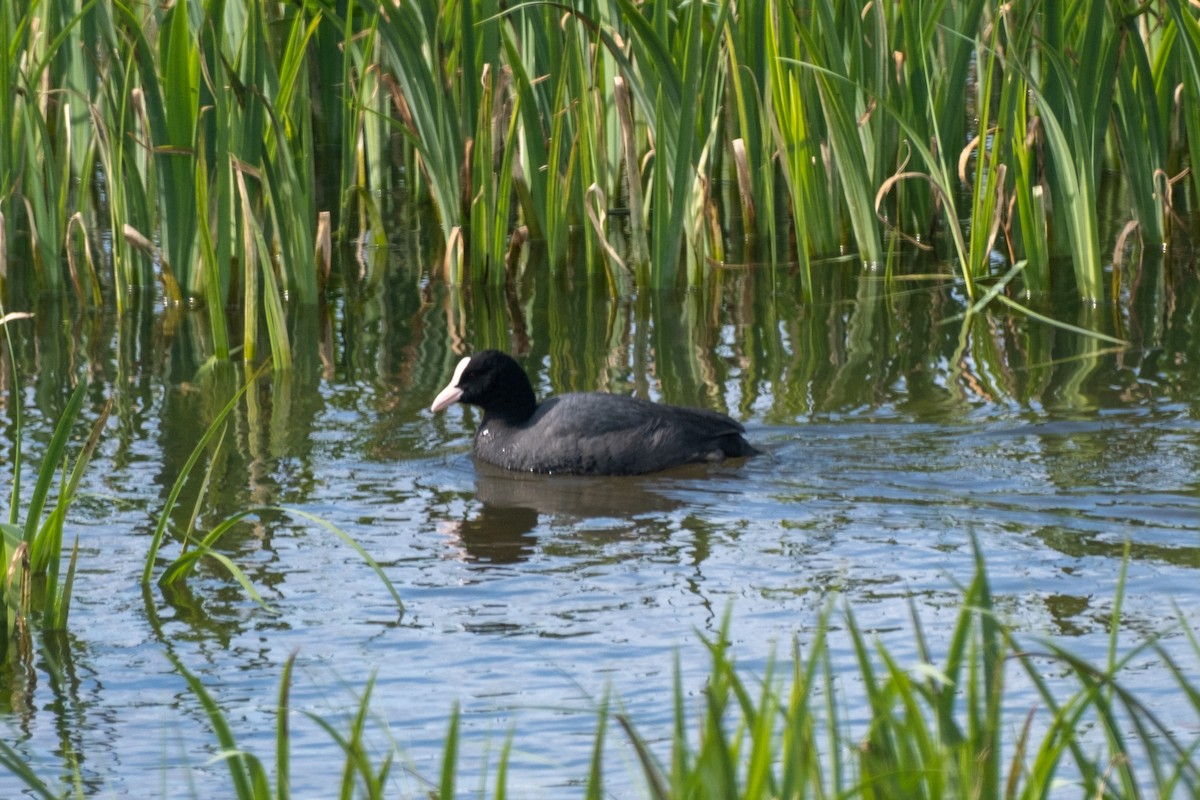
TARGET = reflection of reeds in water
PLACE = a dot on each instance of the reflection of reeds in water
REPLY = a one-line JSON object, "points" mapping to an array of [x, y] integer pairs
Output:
{"points": [[740, 344], [861, 343]]}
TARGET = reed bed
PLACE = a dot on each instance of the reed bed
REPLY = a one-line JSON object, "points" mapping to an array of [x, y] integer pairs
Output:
{"points": [[199, 145]]}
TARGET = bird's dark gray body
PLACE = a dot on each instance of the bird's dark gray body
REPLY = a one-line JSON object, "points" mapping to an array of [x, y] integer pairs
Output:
{"points": [[583, 434], [606, 434]]}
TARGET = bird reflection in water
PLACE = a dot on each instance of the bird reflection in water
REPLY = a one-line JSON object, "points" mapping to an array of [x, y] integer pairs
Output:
{"points": [[503, 528]]}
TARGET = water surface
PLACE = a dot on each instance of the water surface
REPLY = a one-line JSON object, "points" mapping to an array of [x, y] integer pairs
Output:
{"points": [[896, 434]]}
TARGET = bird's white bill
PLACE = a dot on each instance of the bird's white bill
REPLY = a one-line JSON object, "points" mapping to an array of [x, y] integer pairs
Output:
{"points": [[449, 396]]}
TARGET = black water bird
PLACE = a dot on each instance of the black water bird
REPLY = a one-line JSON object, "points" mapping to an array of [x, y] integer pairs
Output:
{"points": [[590, 433]]}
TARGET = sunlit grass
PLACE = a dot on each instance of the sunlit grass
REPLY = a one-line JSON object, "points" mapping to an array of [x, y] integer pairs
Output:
{"points": [[196, 136]]}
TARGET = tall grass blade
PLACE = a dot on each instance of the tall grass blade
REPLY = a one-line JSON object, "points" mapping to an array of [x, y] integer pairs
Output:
{"points": [[179, 569], [595, 780], [1073, 129], [1187, 34], [178, 64], [17, 765], [1028, 190], [450, 757], [640, 245], [283, 770], [651, 771], [50, 461], [46, 551], [357, 762], [434, 124], [250, 780], [210, 265], [839, 95], [257, 253]]}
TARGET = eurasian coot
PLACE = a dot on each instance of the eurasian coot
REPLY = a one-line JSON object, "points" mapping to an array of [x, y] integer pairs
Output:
{"points": [[583, 434]]}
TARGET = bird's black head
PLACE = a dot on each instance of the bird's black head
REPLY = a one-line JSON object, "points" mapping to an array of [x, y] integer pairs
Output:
{"points": [[495, 382]]}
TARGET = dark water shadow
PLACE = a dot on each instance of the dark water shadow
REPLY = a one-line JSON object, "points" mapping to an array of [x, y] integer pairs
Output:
{"points": [[577, 496], [512, 505]]}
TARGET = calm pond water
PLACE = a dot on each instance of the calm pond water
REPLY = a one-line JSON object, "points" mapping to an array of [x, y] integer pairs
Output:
{"points": [[895, 433]]}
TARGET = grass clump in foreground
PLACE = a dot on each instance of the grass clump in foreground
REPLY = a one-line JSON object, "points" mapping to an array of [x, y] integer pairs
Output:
{"points": [[935, 731], [31, 592]]}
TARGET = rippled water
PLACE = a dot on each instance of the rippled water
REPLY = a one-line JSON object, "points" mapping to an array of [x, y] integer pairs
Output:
{"points": [[895, 437]]}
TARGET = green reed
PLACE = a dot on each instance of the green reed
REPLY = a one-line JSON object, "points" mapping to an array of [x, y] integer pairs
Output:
{"points": [[182, 118], [832, 42], [31, 552], [1184, 33], [416, 52], [249, 775], [197, 134], [751, 140]]}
